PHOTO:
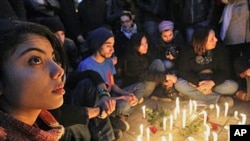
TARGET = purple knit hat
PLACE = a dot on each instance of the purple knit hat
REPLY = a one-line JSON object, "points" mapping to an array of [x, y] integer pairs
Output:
{"points": [[165, 25]]}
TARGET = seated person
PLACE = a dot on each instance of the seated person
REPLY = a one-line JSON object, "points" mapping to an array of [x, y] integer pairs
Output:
{"points": [[138, 67], [242, 69], [205, 70]]}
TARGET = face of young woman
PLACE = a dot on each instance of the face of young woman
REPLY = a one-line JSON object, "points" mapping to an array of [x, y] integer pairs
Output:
{"points": [[33, 79], [143, 49], [167, 36], [126, 22], [211, 41]]}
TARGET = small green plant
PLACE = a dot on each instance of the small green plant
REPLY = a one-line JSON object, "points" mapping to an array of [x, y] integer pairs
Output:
{"points": [[155, 116]]}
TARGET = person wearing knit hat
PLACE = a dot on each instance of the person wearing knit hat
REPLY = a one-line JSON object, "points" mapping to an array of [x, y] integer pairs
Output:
{"points": [[166, 25], [102, 41]]}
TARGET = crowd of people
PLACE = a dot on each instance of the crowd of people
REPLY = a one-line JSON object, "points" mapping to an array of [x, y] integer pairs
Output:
{"points": [[96, 60]]}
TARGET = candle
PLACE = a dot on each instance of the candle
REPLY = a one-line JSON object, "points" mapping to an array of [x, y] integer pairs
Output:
{"points": [[244, 118], [171, 122], [207, 129], [228, 132], [184, 118], [217, 107], [215, 136], [195, 105], [177, 102], [141, 129], [204, 117], [164, 123], [236, 115], [175, 113], [163, 138], [206, 136], [226, 109], [148, 134], [139, 138], [190, 107], [144, 112], [170, 137]]}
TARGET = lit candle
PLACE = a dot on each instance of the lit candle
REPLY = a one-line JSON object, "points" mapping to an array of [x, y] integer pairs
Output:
{"points": [[184, 118], [217, 107], [164, 123], [148, 134], [177, 102], [207, 129], [195, 105], [228, 132], [243, 118], [215, 136], [141, 129], [236, 115], [206, 136], [226, 109], [143, 112], [204, 117], [170, 137], [139, 138], [171, 122], [190, 107], [163, 138]]}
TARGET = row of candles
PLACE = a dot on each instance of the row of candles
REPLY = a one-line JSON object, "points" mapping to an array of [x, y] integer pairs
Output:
{"points": [[192, 109]]}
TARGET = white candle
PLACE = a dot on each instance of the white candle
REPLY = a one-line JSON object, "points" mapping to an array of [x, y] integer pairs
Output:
{"points": [[243, 118], [217, 107], [139, 138], [148, 134], [207, 129], [141, 129], [177, 102], [170, 137], [236, 115], [215, 136], [195, 105], [171, 122], [163, 138], [164, 123], [184, 118], [226, 109], [190, 107], [206, 136], [143, 112], [204, 117]]}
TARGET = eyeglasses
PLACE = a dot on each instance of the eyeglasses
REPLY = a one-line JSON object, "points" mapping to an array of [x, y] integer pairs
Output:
{"points": [[126, 21]]}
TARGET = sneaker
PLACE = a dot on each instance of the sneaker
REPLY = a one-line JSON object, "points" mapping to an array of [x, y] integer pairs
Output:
{"points": [[118, 123], [223, 99], [118, 134]]}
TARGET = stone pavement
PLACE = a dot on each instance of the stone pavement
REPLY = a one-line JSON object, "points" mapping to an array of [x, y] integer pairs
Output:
{"points": [[221, 123]]}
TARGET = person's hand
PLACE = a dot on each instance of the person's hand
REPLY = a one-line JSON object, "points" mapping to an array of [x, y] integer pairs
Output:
{"points": [[3, 134], [80, 38], [131, 99], [114, 60], [245, 73], [206, 86], [108, 104], [170, 56]]}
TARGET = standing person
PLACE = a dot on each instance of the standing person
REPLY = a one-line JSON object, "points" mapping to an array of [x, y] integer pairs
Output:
{"points": [[30, 58], [101, 40], [12, 9], [242, 68], [138, 67], [205, 70]]}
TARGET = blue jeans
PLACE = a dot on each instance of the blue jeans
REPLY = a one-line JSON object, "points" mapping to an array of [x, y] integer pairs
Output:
{"points": [[228, 87], [122, 106]]}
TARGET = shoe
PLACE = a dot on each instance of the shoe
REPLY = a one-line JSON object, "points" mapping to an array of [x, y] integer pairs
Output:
{"points": [[118, 123], [223, 99], [118, 134], [163, 99], [172, 93], [141, 100]]}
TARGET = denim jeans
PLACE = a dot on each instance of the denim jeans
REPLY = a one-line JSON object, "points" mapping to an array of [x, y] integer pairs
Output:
{"points": [[228, 87]]}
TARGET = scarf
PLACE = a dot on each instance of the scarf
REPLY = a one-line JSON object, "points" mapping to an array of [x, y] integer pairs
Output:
{"points": [[17, 130], [129, 31]]}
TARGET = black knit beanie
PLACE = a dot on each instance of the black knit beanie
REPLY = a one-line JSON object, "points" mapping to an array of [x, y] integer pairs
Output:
{"points": [[97, 37], [54, 24]]}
